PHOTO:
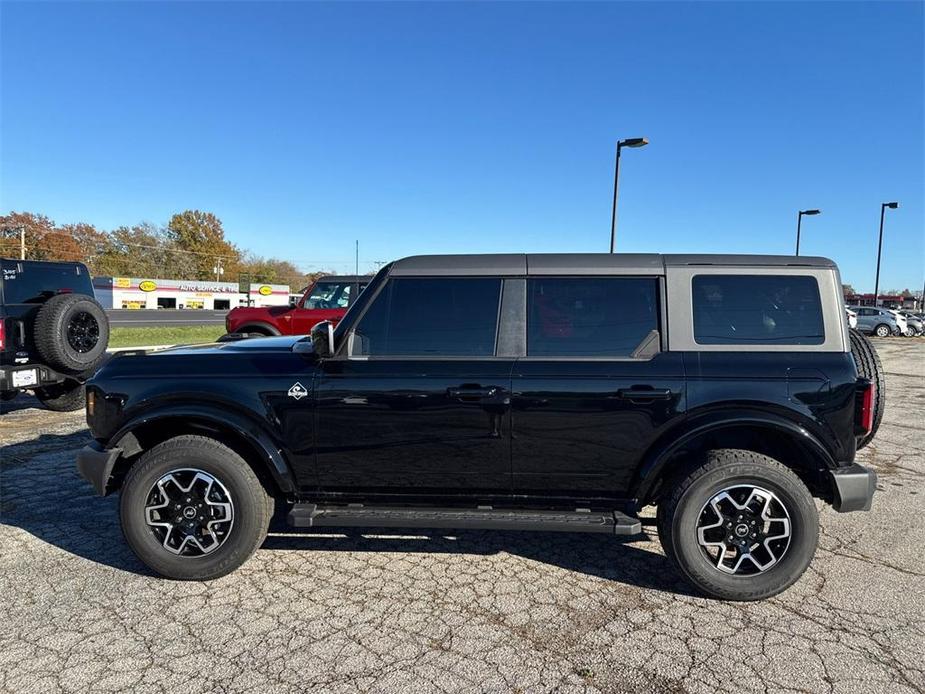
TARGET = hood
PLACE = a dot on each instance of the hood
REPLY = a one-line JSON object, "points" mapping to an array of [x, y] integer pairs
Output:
{"points": [[282, 343]]}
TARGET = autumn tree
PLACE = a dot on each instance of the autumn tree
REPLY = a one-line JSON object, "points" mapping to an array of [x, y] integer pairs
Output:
{"points": [[202, 236], [37, 227]]}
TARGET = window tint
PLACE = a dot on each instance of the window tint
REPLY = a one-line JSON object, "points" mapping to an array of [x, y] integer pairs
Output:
{"points": [[757, 309], [36, 283], [431, 317], [589, 317]]}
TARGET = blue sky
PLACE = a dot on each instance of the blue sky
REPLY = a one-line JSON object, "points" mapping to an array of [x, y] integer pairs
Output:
{"points": [[428, 128]]}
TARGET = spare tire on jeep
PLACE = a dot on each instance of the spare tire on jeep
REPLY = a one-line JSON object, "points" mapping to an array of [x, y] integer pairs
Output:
{"points": [[868, 363], [72, 333]]}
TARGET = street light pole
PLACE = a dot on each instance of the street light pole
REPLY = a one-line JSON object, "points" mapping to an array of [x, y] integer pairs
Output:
{"points": [[630, 142], [799, 220], [883, 206]]}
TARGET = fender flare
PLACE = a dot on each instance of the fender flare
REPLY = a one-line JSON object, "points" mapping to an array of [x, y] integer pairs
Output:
{"points": [[254, 433], [274, 331], [670, 443]]}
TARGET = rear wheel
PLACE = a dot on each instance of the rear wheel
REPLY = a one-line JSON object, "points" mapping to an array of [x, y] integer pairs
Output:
{"points": [[63, 397], [883, 330], [868, 363], [193, 509], [742, 526]]}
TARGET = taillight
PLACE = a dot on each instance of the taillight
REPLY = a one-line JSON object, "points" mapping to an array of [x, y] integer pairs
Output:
{"points": [[866, 410], [2, 333]]}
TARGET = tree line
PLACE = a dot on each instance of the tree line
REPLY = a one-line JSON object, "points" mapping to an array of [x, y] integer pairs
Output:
{"points": [[190, 246]]}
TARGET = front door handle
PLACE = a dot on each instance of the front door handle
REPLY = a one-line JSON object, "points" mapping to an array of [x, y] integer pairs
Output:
{"points": [[637, 394], [473, 393]]}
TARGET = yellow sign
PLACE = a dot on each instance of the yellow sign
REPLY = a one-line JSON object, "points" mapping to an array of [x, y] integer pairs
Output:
{"points": [[123, 282], [265, 290], [147, 286]]}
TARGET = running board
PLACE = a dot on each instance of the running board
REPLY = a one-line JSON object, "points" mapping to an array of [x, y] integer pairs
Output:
{"points": [[482, 518]]}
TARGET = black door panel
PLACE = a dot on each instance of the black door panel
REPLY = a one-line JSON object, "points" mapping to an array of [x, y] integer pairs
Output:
{"points": [[580, 428], [428, 427]]}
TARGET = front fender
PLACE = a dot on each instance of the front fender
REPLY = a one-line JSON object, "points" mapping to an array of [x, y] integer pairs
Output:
{"points": [[252, 431], [716, 421]]}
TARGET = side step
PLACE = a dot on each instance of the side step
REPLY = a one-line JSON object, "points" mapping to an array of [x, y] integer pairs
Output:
{"points": [[482, 518]]}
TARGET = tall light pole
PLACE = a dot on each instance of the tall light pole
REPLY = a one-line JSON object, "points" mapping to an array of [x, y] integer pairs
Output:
{"points": [[799, 220], [630, 142], [883, 206]]}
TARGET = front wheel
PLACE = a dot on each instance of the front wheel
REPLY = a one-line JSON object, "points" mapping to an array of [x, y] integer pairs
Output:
{"points": [[193, 509], [742, 526]]}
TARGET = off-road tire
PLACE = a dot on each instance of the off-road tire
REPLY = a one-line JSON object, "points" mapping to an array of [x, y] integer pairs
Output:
{"points": [[52, 325], [63, 397], [679, 512], [253, 507], [869, 367]]}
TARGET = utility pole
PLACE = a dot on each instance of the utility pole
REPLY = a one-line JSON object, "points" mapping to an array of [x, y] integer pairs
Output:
{"points": [[218, 270], [357, 267], [892, 206], [22, 243]]}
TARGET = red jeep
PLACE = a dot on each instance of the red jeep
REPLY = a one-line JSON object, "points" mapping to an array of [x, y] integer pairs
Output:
{"points": [[327, 299]]}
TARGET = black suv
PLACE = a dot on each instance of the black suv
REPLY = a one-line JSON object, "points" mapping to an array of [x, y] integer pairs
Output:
{"points": [[533, 392], [53, 332]]}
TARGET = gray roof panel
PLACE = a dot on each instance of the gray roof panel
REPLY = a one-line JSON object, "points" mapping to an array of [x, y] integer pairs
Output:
{"points": [[594, 264], [520, 264], [682, 259]]}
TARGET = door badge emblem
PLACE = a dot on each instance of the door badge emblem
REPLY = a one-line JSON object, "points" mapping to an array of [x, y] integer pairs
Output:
{"points": [[297, 391]]}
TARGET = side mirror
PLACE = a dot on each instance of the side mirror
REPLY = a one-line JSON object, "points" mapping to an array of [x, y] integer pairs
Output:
{"points": [[322, 337]]}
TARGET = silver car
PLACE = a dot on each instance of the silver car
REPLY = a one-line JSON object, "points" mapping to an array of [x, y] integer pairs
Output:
{"points": [[876, 321]]}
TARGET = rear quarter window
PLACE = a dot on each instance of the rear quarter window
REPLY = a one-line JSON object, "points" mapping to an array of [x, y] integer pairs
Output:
{"points": [[757, 309]]}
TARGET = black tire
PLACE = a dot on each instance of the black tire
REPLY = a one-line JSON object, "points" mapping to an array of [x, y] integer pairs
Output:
{"points": [[72, 333], [883, 330], [252, 508], [63, 397], [685, 505], [868, 363]]}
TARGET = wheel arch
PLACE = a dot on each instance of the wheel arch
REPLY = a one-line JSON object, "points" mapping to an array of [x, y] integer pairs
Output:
{"points": [[775, 436], [258, 326], [239, 432]]}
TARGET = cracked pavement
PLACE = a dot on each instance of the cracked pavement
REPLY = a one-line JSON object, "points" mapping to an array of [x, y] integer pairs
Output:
{"points": [[462, 612]]}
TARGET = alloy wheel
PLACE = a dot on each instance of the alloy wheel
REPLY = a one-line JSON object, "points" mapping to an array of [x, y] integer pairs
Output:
{"points": [[190, 512], [83, 332], [744, 530]]}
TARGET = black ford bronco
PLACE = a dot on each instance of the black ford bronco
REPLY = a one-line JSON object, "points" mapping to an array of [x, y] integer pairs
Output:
{"points": [[53, 332], [531, 392]]}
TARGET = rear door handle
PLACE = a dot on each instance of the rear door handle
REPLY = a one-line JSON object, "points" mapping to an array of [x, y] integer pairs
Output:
{"points": [[636, 394]]}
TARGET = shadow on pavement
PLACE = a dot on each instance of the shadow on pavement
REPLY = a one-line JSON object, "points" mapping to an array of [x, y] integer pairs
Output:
{"points": [[43, 494]]}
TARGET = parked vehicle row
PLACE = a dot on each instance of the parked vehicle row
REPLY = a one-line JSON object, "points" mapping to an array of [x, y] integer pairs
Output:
{"points": [[523, 392], [884, 322]]}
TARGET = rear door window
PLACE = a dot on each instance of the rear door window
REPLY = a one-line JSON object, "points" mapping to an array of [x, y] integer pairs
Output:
{"points": [[431, 317], [589, 316], [757, 309]]}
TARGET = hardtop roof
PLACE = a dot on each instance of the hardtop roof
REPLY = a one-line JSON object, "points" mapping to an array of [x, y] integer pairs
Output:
{"points": [[586, 263]]}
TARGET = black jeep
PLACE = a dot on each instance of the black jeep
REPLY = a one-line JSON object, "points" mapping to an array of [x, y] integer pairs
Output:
{"points": [[532, 392], [53, 333]]}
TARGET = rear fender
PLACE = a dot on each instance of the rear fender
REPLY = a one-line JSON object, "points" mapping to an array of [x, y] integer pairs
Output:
{"points": [[716, 423]]}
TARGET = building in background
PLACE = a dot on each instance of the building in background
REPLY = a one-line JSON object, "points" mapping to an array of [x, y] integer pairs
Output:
{"points": [[886, 301], [142, 293]]}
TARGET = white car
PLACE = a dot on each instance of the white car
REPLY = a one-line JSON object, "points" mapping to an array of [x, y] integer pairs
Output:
{"points": [[852, 318], [900, 322]]}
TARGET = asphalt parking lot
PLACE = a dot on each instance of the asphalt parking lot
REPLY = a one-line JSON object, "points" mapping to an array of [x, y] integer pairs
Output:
{"points": [[474, 611]]}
